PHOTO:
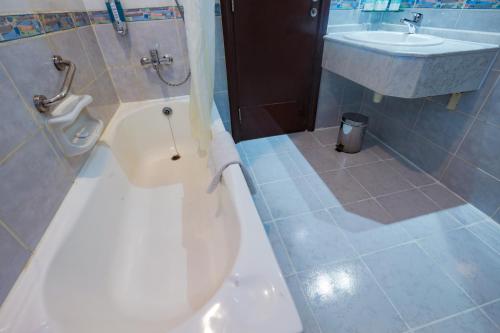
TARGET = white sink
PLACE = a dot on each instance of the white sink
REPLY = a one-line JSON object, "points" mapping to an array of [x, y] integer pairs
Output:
{"points": [[408, 65], [394, 38]]}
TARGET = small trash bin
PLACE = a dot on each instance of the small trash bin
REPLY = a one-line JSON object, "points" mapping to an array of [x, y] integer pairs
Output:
{"points": [[351, 133]]}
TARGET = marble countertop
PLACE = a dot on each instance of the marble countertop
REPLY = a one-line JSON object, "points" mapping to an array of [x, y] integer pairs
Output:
{"points": [[448, 47]]}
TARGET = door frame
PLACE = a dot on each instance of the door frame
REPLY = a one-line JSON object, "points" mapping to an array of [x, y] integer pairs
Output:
{"points": [[231, 66]]}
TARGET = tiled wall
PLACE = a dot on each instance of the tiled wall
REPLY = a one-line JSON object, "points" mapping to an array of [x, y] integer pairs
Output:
{"points": [[34, 175], [151, 24], [123, 53], [484, 20], [167, 33], [460, 148], [337, 96], [149, 27]]}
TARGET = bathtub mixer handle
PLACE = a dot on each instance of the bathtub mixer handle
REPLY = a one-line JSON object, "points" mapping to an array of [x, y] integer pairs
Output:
{"points": [[156, 60]]}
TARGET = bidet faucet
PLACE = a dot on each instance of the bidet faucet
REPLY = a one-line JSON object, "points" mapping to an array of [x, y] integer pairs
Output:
{"points": [[417, 17]]}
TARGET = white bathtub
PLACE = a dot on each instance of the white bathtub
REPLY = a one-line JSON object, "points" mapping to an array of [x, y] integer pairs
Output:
{"points": [[138, 246]]}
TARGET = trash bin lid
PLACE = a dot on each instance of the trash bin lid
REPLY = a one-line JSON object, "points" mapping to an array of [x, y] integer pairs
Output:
{"points": [[355, 119]]}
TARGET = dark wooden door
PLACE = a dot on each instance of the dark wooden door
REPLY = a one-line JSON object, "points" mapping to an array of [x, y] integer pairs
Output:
{"points": [[273, 54]]}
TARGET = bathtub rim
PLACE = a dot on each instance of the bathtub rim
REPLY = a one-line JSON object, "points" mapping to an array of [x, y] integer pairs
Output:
{"points": [[25, 299]]}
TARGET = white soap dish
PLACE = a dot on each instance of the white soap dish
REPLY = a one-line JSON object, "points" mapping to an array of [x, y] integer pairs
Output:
{"points": [[73, 127]]}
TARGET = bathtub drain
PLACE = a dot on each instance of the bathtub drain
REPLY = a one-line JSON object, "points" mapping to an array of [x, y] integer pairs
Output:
{"points": [[167, 111]]}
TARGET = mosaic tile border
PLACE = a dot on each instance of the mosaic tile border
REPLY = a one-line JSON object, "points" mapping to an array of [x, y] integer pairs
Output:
{"points": [[438, 4], [20, 26], [139, 14], [13, 27], [443, 4], [482, 4], [407, 4], [344, 4]]}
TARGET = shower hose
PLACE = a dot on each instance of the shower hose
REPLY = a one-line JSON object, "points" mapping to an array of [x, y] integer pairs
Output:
{"points": [[188, 76]]}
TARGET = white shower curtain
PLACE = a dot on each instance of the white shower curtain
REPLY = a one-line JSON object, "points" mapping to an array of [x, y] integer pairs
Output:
{"points": [[200, 29]]}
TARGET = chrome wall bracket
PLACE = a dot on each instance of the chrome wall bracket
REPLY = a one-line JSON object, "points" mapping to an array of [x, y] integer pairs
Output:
{"points": [[43, 103]]}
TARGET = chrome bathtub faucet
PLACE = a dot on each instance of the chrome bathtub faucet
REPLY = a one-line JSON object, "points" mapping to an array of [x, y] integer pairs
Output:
{"points": [[417, 18], [156, 60]]}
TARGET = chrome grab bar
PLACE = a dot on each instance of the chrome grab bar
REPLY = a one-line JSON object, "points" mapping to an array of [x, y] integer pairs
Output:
{"points": [[42, 103]]}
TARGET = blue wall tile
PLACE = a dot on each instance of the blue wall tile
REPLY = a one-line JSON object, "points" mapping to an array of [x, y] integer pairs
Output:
{"points": [[222, 102], [69, 46], [480, 147], [13, 257], [473, 184], [29, 64], [491, 110], [444, 128], [220, 82], [404, 110], [34, 175], [34, 182], [92, 48], [480, 20], [449, 4], [481, 4], [17, 121], [425, 154], [472, 101]]}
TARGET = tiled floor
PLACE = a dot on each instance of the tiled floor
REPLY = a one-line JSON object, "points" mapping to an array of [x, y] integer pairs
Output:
{"points": [[369, 243]]}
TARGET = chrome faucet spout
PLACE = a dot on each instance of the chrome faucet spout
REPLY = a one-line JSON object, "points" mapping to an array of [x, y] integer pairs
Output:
{"points": [[411, 23], [411, 27]]}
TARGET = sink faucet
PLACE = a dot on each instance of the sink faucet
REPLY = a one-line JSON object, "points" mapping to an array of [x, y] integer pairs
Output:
{"points": [[417, 17]]}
